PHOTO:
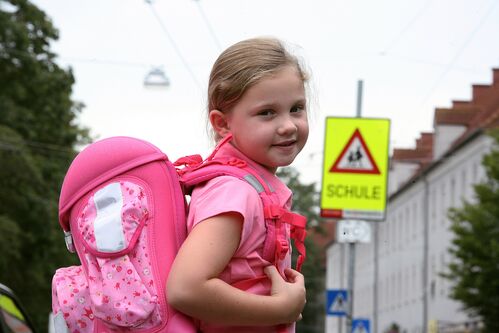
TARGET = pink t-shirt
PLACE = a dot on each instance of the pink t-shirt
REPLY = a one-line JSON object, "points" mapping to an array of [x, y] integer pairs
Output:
{"points": [[229, 194]]}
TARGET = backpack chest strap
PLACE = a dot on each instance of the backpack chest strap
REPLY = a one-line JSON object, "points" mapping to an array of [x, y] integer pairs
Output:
{"points": [[285, 216], [280, 216]]}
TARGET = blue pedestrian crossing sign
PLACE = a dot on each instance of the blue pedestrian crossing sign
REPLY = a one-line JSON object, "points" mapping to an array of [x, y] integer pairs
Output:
{"points": [[337, 302], [360, 325]]}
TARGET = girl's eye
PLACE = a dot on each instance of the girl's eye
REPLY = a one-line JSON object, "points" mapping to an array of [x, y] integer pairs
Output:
{"points": [[266, 113], [296, 108]]}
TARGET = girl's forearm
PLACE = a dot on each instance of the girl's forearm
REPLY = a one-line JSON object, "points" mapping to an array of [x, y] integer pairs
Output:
{"points": [[218, 302]]}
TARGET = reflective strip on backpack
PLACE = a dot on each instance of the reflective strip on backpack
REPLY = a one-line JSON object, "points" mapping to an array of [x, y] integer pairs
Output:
{"points": [[109, 236], [253, 181]]}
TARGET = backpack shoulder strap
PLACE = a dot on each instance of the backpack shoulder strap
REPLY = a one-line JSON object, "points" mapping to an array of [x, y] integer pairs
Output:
{"points": [[276, 246]]}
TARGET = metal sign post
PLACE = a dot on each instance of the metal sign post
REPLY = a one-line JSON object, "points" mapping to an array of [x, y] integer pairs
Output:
{"points": [[351, 274], [354, 180], [351, 252]]}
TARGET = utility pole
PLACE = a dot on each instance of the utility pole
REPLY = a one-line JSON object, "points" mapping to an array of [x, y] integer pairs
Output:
{"points": [[351, 246], [376, 278], [342, 278]]}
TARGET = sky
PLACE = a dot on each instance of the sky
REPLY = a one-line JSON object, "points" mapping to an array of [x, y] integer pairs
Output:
{"points": [[411, 56]]}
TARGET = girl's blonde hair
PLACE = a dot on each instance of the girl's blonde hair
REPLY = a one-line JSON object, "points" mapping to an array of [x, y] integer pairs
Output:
{"points": [[244, 64]]}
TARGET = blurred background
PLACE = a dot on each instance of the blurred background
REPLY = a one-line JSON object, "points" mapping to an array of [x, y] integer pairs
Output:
{"points": [[412, 56], [74, 71]]}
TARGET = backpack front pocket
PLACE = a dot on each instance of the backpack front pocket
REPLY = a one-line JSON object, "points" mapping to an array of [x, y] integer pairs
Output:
{"points": [[71, 301], [113, 227]]}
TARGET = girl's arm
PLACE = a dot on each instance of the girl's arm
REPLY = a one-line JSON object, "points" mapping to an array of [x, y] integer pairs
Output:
{"points": [[195, 289]]}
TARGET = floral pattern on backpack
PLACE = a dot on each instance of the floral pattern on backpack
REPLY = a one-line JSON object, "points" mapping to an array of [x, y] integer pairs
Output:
{"points": [[118, 286]]}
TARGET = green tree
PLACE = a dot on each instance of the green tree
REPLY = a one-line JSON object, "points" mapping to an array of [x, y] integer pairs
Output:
{"points": [[38, 132], [394, 328], [306, 202], [475, 247]]}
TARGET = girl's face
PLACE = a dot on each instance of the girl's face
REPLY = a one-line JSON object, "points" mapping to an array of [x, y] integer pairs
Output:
{"points": [[269, 123]]}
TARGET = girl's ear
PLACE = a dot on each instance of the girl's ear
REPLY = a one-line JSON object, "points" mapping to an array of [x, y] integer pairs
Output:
{"points": [[219, 122]]}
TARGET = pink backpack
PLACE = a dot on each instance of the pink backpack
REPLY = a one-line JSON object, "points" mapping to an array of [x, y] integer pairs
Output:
{"points": [[123, 210]]}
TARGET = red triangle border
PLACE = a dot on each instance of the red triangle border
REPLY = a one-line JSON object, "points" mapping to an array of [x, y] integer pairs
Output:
{"points": [[356, 134]]}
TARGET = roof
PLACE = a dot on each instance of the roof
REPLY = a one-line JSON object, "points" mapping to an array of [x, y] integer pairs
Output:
{"points": [[478, 114]]}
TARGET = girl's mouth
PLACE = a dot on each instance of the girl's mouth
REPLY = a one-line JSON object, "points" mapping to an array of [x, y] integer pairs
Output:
{"points": [[285, 143]]}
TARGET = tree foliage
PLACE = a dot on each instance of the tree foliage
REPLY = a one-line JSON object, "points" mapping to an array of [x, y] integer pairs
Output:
{"points": [[306, 202], [38, 132], [475, 247]]}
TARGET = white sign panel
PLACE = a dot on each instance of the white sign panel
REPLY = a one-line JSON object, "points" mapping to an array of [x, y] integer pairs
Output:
{"points": [[352, 231]]}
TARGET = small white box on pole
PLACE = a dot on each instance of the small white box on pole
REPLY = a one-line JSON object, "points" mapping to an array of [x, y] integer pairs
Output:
{"points": [[353, 231]]}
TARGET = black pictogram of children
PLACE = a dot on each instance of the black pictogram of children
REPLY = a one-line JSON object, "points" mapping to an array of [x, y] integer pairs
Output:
{"points": [[355, 158]]}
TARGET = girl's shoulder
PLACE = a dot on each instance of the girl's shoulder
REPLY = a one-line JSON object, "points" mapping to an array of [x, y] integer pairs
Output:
{"points": [[226, 191], [221, 195], [225, 183]]}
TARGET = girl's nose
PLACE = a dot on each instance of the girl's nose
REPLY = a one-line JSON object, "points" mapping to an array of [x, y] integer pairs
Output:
{"points": [[287, 126]]}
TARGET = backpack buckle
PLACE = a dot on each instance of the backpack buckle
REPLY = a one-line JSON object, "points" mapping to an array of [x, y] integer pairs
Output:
{"points": [[68, 238], [272, 212], [183, 164], [282, 248], [236, 163]]}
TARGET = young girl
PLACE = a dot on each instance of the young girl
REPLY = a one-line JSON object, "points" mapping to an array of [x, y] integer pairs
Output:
{"points": [[256, 94]]}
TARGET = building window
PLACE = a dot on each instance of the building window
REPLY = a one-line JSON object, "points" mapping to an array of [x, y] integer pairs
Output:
{"points": [[414, 280], [414, 219], [385, 227], [444, 199], [387, 292], [386, 233], [380, 292], [464, 189], [475, 172], [407, 285], [393, 297], [433, 205], [408, 224], [443, 269], [432, 267], [400, 229], [393, 233], [399, 288], [452, 192]]}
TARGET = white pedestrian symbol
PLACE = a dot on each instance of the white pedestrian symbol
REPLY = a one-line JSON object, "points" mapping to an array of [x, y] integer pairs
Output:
{"points": [[359, 328], [338, 304]]}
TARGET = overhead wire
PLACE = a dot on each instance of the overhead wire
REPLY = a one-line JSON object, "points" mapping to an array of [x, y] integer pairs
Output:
{"points": [[35, 145], [208, 24], [434, 64], [461, 49], [327, 58], [104, 62], [57, 59], [173, 43], [402, 32]]}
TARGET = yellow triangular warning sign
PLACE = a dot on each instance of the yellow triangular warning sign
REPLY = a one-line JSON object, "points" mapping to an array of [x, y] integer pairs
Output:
{"points": [[355, 157]]}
